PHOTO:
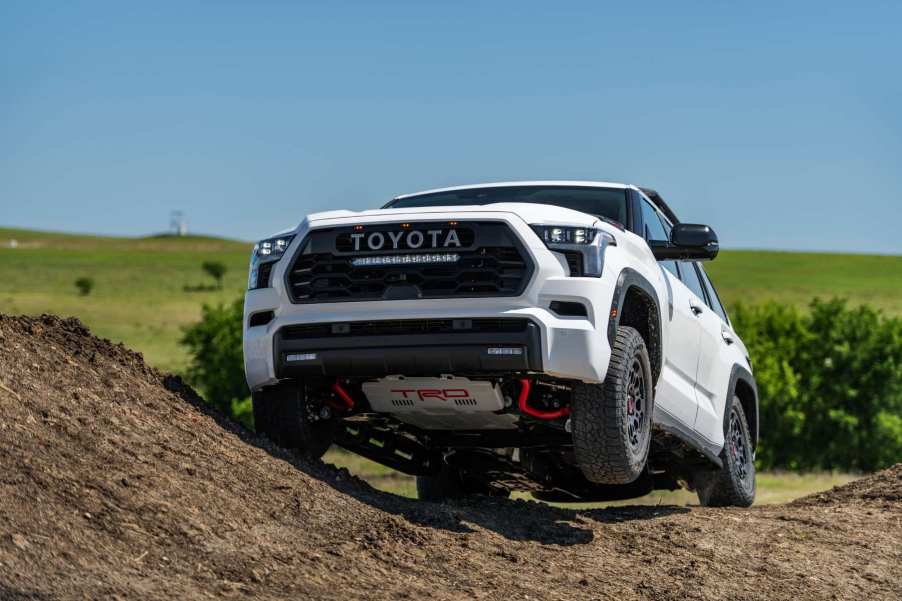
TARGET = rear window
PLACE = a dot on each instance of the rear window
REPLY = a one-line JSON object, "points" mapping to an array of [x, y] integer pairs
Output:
{"points": [[609, 203]]}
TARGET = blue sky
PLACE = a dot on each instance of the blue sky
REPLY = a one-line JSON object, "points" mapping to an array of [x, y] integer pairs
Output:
{"points": [[778, 124]]}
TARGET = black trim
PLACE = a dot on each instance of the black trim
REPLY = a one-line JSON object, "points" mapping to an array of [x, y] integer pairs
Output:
{"points": [[574, 262], [635, 210], [630, 278], [568, 309], [667, 251], [656, 200], [421, 354], [740, 373], [707, 279], [260, 319], [398, 327], [264, 271], [701, 280], [667, 423]]}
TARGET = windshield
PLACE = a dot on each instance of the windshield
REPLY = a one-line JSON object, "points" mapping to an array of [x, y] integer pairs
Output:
{"points": [[609, 203]]}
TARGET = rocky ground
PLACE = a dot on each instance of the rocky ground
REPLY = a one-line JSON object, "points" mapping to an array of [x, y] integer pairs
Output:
{"points": [[115, 482]]}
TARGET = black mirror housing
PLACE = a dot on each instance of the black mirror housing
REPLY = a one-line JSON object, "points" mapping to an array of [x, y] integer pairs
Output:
{"points": [[688, 242]]}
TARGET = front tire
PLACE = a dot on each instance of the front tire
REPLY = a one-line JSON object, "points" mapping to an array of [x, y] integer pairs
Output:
{"points": [[734, 484], [612, 421], [281, 414]]}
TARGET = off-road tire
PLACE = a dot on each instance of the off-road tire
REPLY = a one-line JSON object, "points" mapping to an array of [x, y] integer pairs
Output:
{"points": [[734, 484], [449, 484], [281, 414], [609, 448]]}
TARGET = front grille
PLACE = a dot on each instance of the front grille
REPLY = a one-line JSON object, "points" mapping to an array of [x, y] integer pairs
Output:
{"points": [[491, 262], [402, 327]]}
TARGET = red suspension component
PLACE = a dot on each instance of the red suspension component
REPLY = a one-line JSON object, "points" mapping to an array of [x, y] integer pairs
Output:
{"points": [[343, 396], [525, 387]]}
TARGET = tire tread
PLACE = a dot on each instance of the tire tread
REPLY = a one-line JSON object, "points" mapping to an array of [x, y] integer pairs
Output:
{"points": [[723, 488], [600, 439]]}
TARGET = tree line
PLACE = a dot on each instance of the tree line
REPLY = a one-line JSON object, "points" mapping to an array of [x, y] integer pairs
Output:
{"points": [[829, 380]]}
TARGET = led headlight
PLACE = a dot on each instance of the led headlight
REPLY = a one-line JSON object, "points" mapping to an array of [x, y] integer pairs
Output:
{"points": [[265, 254], [559, 234], [584, 243]]}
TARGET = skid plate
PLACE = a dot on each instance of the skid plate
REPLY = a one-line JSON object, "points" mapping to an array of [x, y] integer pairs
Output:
{"points": [[443, 395]]}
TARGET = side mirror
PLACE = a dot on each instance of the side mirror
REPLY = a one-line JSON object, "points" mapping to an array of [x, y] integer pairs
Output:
{"points": [[688, 242]]}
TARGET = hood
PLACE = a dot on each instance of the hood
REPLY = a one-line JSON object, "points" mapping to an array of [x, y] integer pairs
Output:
{"points": [[531, 213]]}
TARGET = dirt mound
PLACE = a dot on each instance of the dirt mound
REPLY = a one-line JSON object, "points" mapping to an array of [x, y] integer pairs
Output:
{"points": [[884, 488], [116, 483]]}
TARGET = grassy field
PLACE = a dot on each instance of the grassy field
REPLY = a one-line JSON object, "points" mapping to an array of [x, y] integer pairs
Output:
{"points": [[142, 289], [141, 295], [795, 278], [772, 487]]}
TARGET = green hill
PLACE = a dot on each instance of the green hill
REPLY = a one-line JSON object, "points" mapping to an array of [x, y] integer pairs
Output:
{"points": [[147, 289], [795, 278]]}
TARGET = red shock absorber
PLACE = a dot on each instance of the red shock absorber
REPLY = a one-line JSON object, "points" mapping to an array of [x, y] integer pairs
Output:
{"points": [[343, 395], [525, 387]]}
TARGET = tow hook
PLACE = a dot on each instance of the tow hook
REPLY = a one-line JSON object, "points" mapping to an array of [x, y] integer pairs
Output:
{"points": [[347, 402], [525, 387]]}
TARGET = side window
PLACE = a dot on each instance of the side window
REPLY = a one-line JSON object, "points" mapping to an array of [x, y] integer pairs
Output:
{"points": [[712, 295], [671, 266], [690, 278], [653, 228], [657, 229]]}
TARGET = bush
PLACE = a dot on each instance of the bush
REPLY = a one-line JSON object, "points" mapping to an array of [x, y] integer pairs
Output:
{"points": [[84, 285], [829, 382], [217, 363], [216, 270]]}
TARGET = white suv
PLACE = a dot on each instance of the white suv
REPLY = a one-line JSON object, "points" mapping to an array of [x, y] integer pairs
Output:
{"points": [[555, 337]]}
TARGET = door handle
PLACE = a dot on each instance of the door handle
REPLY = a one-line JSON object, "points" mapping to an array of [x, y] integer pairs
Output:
{"points": [[696, 309], [727, 336]]}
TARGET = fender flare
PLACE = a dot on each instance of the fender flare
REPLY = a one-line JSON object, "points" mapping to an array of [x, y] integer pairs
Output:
{"points": [[630, 278], [741, 374]]}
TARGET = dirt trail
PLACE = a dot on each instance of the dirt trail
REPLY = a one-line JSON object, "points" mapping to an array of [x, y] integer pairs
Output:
{"points": [[116, 483]]}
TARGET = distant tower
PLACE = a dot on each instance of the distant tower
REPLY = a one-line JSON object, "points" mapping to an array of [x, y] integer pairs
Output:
{"points": [[178, 225]]}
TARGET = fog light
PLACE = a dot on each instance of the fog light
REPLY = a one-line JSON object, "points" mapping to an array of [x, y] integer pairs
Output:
{"points": [[421, 259], [505, 350]]}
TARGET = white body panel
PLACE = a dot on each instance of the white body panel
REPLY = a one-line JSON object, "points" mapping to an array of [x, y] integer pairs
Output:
{"points": [[719, 349], [697, 359], [675, 393]]}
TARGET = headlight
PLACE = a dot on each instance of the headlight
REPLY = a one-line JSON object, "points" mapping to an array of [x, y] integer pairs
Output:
{"points": [[265, 254], [582, 246]]}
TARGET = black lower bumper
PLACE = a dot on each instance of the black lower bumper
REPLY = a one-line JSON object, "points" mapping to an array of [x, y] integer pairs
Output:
{"points": [[355, 350]]}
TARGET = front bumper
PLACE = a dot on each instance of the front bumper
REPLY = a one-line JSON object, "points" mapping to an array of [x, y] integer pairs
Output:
{"points": [[564, 347]]}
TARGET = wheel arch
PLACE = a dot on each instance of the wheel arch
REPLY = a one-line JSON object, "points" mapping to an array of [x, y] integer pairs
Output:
{"points": [[742, 385], [635, 304]]}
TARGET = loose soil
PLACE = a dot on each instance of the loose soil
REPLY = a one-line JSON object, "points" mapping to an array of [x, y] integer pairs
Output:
{"points": [[117, 482]]}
